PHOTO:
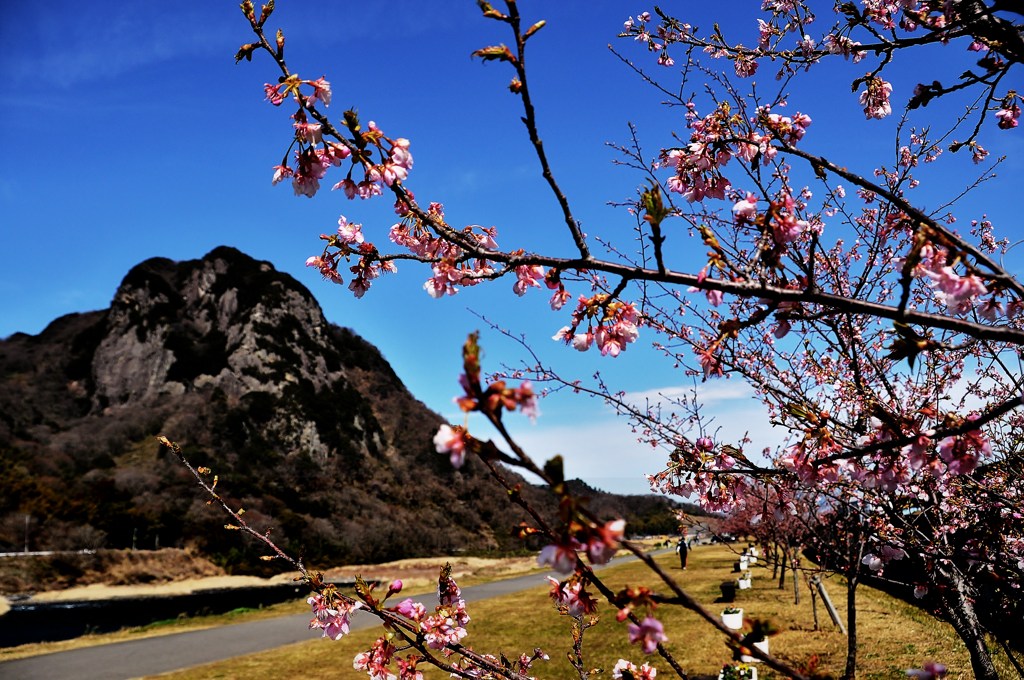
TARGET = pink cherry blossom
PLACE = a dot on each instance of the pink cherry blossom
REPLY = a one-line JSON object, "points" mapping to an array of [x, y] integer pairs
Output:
{"points": [[962, 454], [274, 93], [306, 131], [321, 92], [439, 631], [875, 98], [411, 609], [559, 298], [746, 209], [376, 661], [368, 189], [844, 46], [644, 672], [349, 232], [649, 634], [327, 268], [710, 364], [571, 595], [605, 542], [453, 442], [281, 173], [560, 557], [348, 186], [305, 185], [527, 276], [1008, 116], [333, 618], [955, 291], [931, 671], [612, 340], [745, 66]]}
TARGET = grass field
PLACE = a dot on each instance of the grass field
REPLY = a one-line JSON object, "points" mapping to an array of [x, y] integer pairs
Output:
{"points": [[894, 635]]}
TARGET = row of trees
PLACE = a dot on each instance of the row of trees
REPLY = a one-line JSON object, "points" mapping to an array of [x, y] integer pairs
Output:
{"points": [[886, 340]]}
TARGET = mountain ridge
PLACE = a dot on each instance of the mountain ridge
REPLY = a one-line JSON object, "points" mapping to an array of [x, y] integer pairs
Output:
{"points": [[306, 424]]}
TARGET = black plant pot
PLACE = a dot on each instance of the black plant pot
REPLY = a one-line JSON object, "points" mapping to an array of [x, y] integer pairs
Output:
{"points": [[728, 591]]}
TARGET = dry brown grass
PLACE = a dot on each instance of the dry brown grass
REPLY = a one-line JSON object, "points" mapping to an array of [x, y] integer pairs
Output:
{"points": [[68, 571], [894, 635]]}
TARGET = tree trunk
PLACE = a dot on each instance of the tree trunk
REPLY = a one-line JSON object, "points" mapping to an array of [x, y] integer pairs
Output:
{"points": [[782, 569], [814, 605], [796, 580], [852, 579], [961, 614]]}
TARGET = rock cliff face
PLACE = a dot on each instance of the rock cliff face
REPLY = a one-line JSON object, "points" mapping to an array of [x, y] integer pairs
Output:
{"points": [[305, 423]]}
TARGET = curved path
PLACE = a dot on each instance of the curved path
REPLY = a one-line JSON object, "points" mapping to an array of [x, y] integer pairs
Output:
{"points": [[165, 653]]}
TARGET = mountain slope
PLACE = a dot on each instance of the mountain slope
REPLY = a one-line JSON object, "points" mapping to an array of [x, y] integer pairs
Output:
{"points": [[305, 423]]}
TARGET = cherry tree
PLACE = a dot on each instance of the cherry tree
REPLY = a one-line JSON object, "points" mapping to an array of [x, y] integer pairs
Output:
{"points": [[883, 339]]}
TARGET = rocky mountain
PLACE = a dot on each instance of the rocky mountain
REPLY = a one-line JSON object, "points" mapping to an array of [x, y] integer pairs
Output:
{"points": [[305, 423]]}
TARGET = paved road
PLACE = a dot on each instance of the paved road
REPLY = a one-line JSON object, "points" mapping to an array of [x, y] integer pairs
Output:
{"points": [[150, 656]]}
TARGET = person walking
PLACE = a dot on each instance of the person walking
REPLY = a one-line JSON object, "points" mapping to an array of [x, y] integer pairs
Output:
{"points": [[682, 549]]}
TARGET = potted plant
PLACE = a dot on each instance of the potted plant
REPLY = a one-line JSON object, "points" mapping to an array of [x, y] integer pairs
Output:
{"points": [[759, 630], [737, 671], [732, 617], [728, 591], [744, 581]]}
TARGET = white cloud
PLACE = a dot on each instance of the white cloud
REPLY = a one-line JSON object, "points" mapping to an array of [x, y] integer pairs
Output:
{"points": [[708, 393], [601, 449]]}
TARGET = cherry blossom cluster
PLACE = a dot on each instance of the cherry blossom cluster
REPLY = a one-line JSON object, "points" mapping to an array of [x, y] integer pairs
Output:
{"points": [[492, 400], [600, 542], [1009, 114], [611, 324], [630, 671], [875, 97], [958, 292], [647, 632], [447, 625], [571, 596], [442, 630], [314, 155], [940, 17], [664, 33], [497, 396], [331, 613], [698, 165], [376, 662], [701, 470], [718, 138], [886, 554]]}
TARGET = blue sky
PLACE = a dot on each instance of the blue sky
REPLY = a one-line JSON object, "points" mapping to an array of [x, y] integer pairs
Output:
{"points": [[129, 132]]}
